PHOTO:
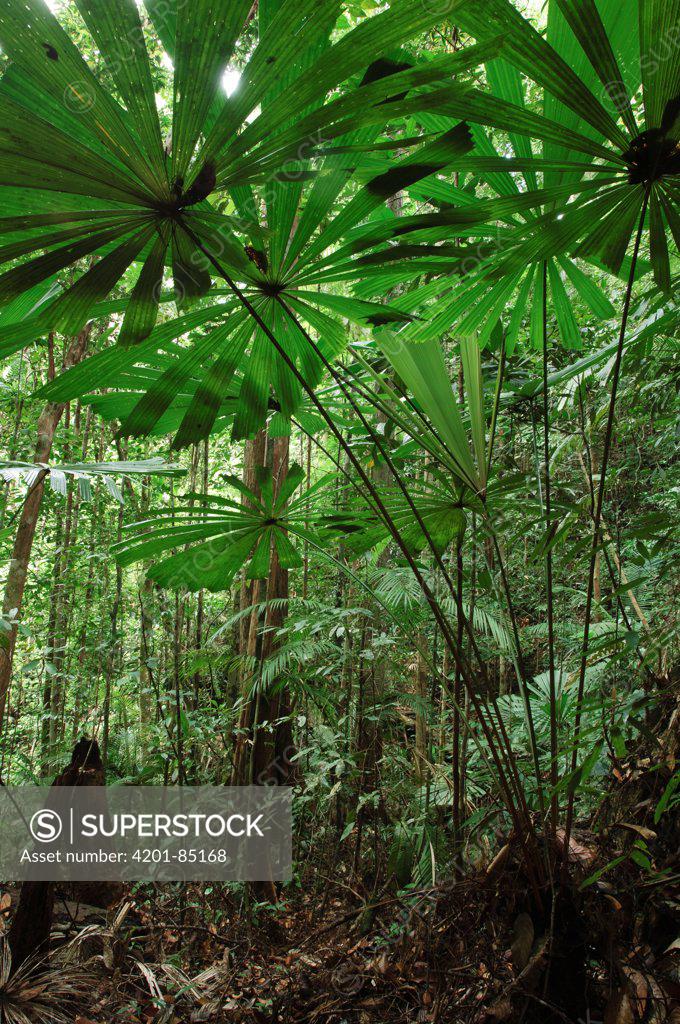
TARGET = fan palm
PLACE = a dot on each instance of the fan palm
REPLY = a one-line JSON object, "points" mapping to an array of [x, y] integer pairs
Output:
{"points": [[86, 150], [219, 535], [160, 209], [590, 70], [84, 473], [228, 349], [608, 135]]}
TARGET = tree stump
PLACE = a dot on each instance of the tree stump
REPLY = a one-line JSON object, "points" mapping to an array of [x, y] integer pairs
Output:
{"points": [[30, 930]]}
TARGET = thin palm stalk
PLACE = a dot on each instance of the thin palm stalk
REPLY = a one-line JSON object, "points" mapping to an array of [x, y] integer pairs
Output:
{"points": [[597, 519], [517, 811], [554, 805], [453, 590]]}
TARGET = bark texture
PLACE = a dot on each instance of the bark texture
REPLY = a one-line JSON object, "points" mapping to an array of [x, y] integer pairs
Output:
{"points": [[29, 933], [27, 525]]}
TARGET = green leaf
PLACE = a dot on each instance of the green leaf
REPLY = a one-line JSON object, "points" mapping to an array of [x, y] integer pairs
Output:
{"points": [[586, 24], [70, 311], [474, 391], [117, 29], [659, 33], [142, 310], [200, 417], [518, 311], [219, 535], [422, 368], [564, 314], [26, 275], [31, 35], [533, 56], [429, 159], [593, 296], [205, 35], [610, 238], [658, 245]]}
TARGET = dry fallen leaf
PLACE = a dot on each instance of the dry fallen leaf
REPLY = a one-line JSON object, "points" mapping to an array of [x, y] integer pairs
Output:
{"points": [[522, 941], [646, 833], [578, 853], [501, 1010], [619, 1009], [640, 989], [498, 861]]}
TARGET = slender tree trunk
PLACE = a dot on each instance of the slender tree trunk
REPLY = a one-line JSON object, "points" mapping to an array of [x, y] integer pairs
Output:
{"points": [[372, 680], [457, 768], [265, 743], [27, 525], [270, 749], [112, 657], [61, 603], [273, 748], [422, 733], [254, 458], [200, 612], [146, 591], [12, 451]]}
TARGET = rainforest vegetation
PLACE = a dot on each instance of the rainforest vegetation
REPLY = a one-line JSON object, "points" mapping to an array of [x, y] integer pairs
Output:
{"points": [[338, 428]]}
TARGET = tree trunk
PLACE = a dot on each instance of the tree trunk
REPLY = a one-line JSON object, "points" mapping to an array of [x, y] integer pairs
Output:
{"points": [[30, 930], [114, 649], [254, 458], [146, 621], [422, 732], [270, 750], [28, 522]]}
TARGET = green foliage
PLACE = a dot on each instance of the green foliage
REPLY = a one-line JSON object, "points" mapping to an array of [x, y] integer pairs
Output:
{"points": [[363, 248]]}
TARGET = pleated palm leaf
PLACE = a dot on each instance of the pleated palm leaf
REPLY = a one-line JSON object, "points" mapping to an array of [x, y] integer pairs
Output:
{"points": [[228, 366], [609, 90], [570, 181], [86, 172], [84, 473], [453, 435], [612, 88], [219, 535], [439, 509]]}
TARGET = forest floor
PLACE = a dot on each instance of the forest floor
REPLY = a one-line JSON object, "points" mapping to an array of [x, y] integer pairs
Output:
{"points": [[472, 950]]}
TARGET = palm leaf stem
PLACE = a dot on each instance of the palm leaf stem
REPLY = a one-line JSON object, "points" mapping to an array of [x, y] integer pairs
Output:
{"points": [[389, 410], [606, 541], [597, 520], [554, 806], [458, 787], [453, 590], [496, 405], [518, 658], [420, 648], [518, 811]]}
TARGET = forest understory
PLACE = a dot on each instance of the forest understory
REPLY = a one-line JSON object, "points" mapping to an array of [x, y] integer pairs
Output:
{"points": [[339, 472], [471, 949]]}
